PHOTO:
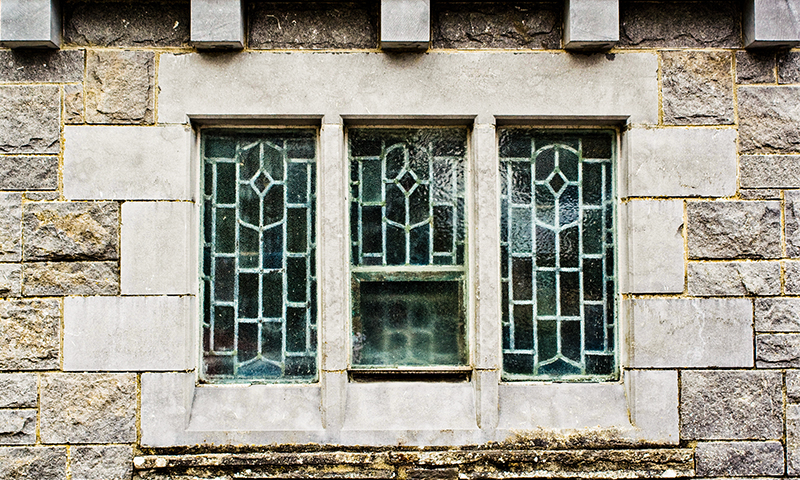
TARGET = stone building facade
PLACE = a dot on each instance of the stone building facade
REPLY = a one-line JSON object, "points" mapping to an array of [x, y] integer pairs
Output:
{"points": [[100, 194]]}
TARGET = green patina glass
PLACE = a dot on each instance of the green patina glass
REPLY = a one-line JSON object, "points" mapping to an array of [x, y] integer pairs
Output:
{"points": [[259, 278], [408, 236], [557, 254]]}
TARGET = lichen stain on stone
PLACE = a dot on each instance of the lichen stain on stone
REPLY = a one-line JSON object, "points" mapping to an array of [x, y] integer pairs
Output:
{"points": [[80, 227]]}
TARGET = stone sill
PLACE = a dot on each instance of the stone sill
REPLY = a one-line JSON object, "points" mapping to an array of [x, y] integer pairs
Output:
{"points": [[439, 465]]}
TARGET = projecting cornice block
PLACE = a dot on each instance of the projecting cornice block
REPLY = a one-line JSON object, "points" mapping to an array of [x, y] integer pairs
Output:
{"points": [[217, 24], [771, 23], [591, 24], [30, 23], [405, 24]]}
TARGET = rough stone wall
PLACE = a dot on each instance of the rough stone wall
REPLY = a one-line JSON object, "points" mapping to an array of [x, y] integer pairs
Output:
{"points": [[743, 247]]}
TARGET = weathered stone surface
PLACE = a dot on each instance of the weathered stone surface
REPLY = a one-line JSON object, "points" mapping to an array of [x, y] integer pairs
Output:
{"points": [[739, 458], [47, 279], [789, 67], [720, 405], [127, 24], [791, 277], [310, 25], [683, 24], [29, 463], [755, 67], [793, 386], [88, 408], [10, 227], [30, 119], [29, 334], [10, 280], [41, 66], [17, 390], [769, 171], [28, 173], [496, 25], [42, 196], [17, 427], [733, 229], [734, 278], [777, 314], [106, 462], [793, 440], [697, 88], [71, 231], [120, 86], [73, 104], [768, 118], [781, 350], [759, 194], [791, 213]]}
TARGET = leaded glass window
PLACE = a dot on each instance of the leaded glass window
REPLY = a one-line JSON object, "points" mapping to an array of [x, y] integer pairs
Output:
{"points": [[557, 254], [408, 239], [258, 278]]}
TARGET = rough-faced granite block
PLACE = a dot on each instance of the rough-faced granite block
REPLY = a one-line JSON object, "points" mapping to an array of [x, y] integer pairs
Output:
{"points": [[120, 87], [791, 277], [40, 463], [41, 66], [29, 334], [148, 23], [769, 171], [30, 118], [88, 408], [697, 88], [71, 231], [683, 24], [759, 194], [719, 279], [793, 386], [722, 405], [789, 67], [10, 279], [768, 118], [17, 427], [73, 104], [791, 214], [729, 459], [755, 67], [18, 390], [103, 462], [734, 229], [778, 350], [10, 227], [777, 314], [28, 173], [53, 279], [793, 440]]}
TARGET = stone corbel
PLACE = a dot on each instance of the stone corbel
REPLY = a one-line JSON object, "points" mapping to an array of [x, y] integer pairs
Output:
{"points": [[30, 23], [217, 24], [771, 23], [591, 24]]}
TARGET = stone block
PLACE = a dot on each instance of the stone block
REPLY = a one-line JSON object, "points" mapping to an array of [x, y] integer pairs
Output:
{"points": [[697, 88], [73, 104], [791, 277], [39, 463], [770, 23], [155, 163], [680, 332], [405, 24], [18, 390], [10, 280], [781, 350], [53, 279], [217, 23], [71, 231], [41, 66], [729, 459], [777, 314], [591, 24], [769, 171], [731, 405], [789, 67], [652, 254], [88, 408], [793, 386], [351, 25], [759, 194], [29, 334], [30, 23], [793, 440], [128, 333], [653, 402], [719, 279], [30, 117], [103, 462], [680, 162], [120, 23], [10, 227], [17, 427], [704, 24], [158, 248], [791, 212], [28, 173], [768, 118], [755, 67], [496, 25], [734, 229], [120, 86], [42, 196]]}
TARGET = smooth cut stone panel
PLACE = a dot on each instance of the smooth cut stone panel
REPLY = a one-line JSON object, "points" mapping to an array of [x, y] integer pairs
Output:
{"points": [[18, 390], [678, 332], [28, 173], [729, 459], [17, 427], [157, 248], [653, 403], [153, 165], [719, 279], [731, 405], [697, 88], [29, 334], [40, 463], [755, 67], [734, 229], [149, 23], [778, 350], [71, 231], [681, 162], [651, 257], [791, 277], [41, 66], [777, 314], [768, 118], [10, 279], [55, 279], [120, 86], [683, 24], [118, 333], [30, 117], [10, 227], [531, 83], [769, 171], [101, 462], [88, 408], [791, 215]]}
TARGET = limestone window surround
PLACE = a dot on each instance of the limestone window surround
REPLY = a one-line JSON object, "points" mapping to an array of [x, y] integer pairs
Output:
{"points": [[333, 91]]}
